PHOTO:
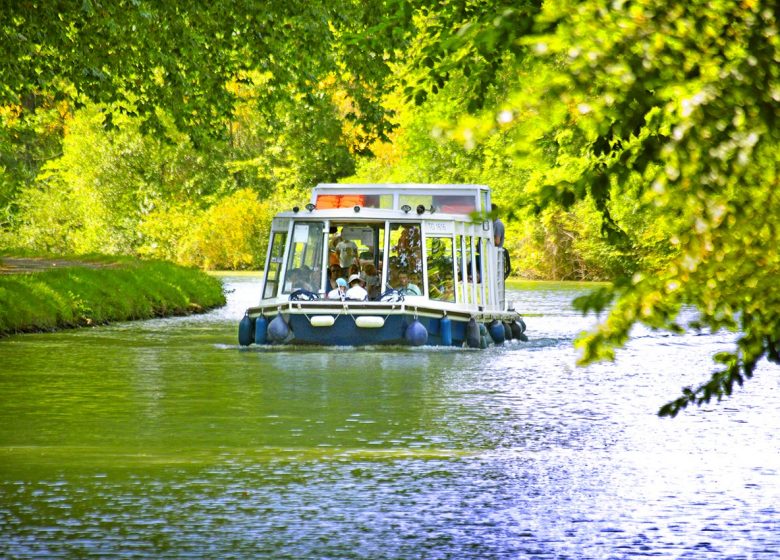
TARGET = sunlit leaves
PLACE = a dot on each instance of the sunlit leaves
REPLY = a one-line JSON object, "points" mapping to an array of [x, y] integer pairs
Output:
{"points": [[666, 117], [169, 55]]}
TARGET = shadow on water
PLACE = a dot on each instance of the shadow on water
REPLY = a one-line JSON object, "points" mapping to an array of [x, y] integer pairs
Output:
{"points": [[164, 439]]}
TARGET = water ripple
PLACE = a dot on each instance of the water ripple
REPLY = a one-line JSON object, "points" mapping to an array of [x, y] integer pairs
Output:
{"points": [[163, 439]]}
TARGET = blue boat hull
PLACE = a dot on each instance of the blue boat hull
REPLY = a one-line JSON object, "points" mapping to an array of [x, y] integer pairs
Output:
{"points": [[346, 332]]}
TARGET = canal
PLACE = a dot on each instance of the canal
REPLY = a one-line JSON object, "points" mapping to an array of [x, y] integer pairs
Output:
{"points": [[163, 439]]}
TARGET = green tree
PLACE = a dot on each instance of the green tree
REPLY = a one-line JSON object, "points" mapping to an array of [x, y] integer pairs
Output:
{"points": [[674, 107], [180, 66], [139, 55], [93, 198]]}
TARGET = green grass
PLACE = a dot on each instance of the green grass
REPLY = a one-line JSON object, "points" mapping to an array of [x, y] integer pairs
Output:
{"points": [[521, 284], [120, 289]]}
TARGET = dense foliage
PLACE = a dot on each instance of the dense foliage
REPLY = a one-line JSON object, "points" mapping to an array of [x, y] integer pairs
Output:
{"points": [[631, 141], [666, 119]]}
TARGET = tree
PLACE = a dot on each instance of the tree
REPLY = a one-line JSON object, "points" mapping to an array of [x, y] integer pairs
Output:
{"points": [[139, 55], [675, 108], [146, 59]]}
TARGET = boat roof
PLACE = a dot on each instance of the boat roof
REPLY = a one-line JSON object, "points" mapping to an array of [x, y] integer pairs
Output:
{"points": [[396, 187], [381, 198]]}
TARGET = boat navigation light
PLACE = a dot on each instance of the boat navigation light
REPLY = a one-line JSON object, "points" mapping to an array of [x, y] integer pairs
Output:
{"points": [[406, 208], [356, 209], [420, 208], [310, 207], [295, 209]]}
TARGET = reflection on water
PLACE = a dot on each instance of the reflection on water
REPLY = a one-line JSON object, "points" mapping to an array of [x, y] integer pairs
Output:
{"points": [[164, 439]]}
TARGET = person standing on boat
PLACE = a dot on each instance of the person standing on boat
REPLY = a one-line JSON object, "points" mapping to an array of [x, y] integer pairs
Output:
{"points": [[356, 290], [347, 250], [407, 288], [372, 281], [498, 239], [340, 292]]}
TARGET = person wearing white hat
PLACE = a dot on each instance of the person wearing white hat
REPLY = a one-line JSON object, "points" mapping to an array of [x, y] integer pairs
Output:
{"points": [[356, 291]]}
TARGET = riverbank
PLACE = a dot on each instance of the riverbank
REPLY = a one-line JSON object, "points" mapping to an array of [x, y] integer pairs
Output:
{"points": [[39, 294]]}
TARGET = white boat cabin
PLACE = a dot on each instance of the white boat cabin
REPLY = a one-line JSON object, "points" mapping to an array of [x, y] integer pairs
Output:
{"points": [[432, 243]]}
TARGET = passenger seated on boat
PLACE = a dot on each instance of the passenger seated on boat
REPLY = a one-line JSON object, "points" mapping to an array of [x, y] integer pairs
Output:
{"points": [[299, 279], [356, 291], [340, 291], [372, 280], [407, 288], [393, 269], [335, 273]]}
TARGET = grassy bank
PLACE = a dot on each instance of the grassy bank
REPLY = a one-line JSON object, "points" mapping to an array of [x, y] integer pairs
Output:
{"points": [[44, 294], [523, 284]]}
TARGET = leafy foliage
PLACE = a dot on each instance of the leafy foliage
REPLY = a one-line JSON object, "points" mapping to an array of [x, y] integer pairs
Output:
{"points": [[674, 109], [139, 56], [231, 234]]}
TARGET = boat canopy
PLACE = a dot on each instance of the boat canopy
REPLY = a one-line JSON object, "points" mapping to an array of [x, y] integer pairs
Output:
{"points": [[447, 199]]}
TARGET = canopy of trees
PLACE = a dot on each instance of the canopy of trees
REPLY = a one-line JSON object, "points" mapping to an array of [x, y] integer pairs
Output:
{"points": [[632, 141]]}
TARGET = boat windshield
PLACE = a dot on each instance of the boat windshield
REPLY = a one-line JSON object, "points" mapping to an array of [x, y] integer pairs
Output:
{"points": [[274, 266], [304, 262]]}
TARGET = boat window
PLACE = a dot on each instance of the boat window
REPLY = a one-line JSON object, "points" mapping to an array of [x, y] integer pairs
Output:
{"points": [[487, 273], [472, 269], [460, 269], [441, 284], [304, 263], [478, 271], [450, 204], [501, 278], [325, 201], [274, 264], [405, 258]]}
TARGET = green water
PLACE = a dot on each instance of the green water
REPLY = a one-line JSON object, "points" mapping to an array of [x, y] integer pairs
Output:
{"points": [[165, 439]]}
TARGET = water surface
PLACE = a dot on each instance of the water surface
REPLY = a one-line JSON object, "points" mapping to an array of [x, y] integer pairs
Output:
{"points": [[164, 439]]}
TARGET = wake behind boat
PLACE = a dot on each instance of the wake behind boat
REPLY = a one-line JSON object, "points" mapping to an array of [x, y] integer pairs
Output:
{"points": [[401, 264]]}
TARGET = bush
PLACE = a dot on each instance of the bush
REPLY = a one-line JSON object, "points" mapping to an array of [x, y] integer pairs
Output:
{"points": [[232, 234]]}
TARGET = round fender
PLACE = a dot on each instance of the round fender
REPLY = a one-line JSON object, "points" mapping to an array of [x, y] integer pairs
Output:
{"points": [[245, 331], [278, 330], [261, 324], [517, 331], [507, 331], [416, 334], [496, 330], [483, 336], [370, 322], [445, 331], [322, 320], [472, 334], [521, 323]]}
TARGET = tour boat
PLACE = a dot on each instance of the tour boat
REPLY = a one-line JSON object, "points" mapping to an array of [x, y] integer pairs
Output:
{"points": [[384, 264]]}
